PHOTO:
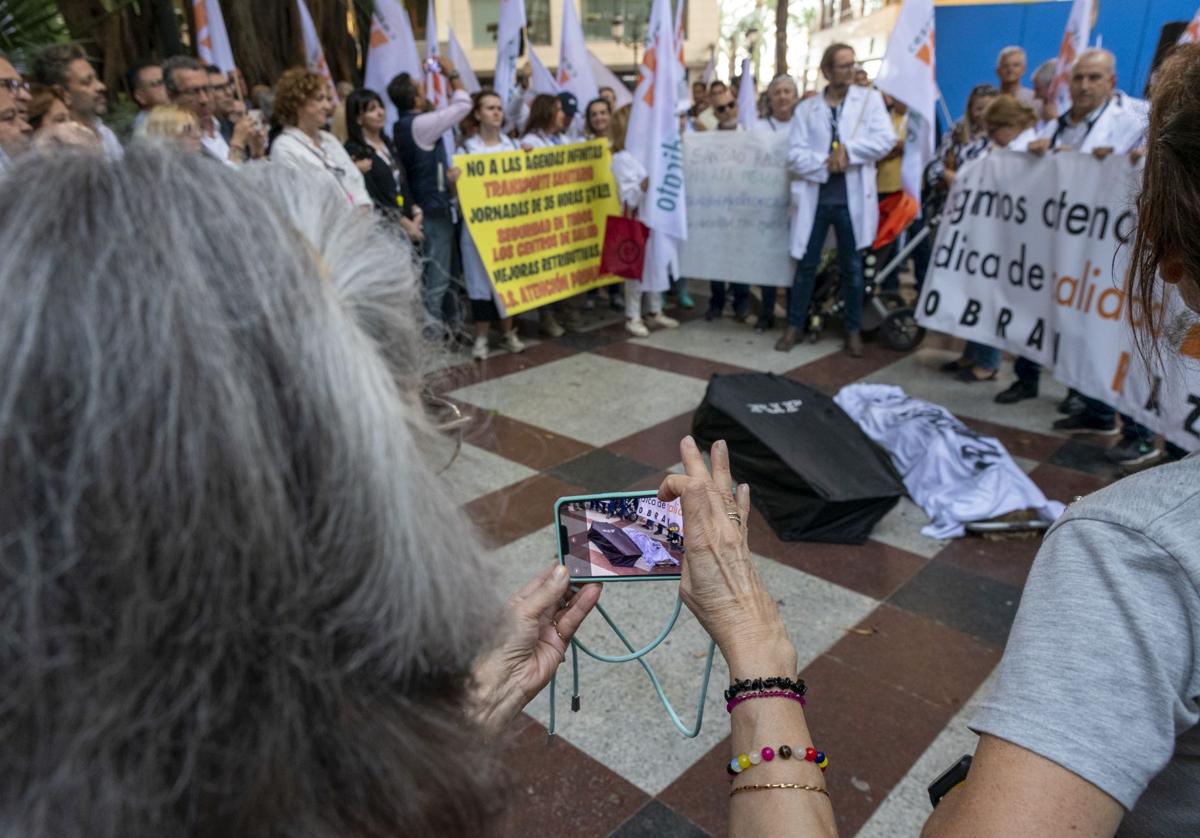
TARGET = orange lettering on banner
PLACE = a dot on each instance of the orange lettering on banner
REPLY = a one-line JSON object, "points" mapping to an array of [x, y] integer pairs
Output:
{"points": [[1118, 382]]}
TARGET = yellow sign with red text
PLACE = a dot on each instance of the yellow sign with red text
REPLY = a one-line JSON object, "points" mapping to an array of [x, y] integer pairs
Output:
{"points": [[538, 217]]}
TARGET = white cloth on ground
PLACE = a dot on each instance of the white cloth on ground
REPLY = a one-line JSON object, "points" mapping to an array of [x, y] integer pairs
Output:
{"points": [[955, 474], [653, 551]]}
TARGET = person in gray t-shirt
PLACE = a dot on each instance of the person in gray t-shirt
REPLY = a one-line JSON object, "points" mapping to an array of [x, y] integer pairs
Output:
{"points": [[1093, 725]]}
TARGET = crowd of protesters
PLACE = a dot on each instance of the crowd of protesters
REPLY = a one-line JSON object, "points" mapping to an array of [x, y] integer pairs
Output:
{"points": [[845, 145]]}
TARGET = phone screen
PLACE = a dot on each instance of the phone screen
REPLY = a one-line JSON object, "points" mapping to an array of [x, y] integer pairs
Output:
{"points": [[630, 535]]}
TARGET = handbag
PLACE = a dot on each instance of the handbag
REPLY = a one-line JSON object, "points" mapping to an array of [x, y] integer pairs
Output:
{"points": [[624, 247]]}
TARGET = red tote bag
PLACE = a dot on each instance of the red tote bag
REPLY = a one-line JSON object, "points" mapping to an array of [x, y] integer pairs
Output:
{"points": [[624, 247]]}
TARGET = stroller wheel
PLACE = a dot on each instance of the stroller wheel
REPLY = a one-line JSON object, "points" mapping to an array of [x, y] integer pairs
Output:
{"points": [[901, 331]]}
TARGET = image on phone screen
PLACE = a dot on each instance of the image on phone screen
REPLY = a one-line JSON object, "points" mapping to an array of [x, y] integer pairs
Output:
{"points": [[630, 535]]}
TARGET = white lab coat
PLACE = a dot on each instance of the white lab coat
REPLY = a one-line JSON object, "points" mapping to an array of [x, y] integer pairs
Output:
{"points": [[628, 174], [1122, 126], [866, 131], [479, 284]]}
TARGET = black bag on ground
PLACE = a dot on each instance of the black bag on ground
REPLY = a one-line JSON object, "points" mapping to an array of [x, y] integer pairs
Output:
{"points": [[813, 473], [616, 546]]}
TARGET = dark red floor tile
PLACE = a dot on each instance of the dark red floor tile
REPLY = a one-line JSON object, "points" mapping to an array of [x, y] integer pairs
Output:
{"points": [[701, 793], [873, 568], [916, 655], [1065, 484], [1019, 443], [517, 510], [519, 441], [556, 789], [663, 359], [658, 445], [1005, 560], [602, 471], [836, 370], [498, 365]]}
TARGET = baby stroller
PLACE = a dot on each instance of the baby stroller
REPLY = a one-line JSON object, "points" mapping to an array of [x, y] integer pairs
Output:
{"points": [[884, 313]]}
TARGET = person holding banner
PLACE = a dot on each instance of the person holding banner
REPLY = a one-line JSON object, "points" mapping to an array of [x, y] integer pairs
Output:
{"points": [[782, 98], [1092, 725], [547, 121], [632, 182], [485, 136], [834, 142]]}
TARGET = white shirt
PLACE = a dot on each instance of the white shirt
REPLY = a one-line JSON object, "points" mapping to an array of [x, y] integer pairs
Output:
{"points": [[294, 148], [629, 173], [540, 140], [429, 127], [215, 145], [770, 123], [113, 149]]}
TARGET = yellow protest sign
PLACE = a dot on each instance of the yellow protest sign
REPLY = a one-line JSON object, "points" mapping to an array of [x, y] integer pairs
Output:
{"points": [[538, 218]]}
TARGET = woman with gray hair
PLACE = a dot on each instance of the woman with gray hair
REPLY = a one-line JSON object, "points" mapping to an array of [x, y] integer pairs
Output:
{"points": [[229, 601]]}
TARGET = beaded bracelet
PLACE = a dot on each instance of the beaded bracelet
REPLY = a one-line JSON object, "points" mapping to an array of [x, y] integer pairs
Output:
{"points": [[775, 682], [743, 761], [765, 694]]}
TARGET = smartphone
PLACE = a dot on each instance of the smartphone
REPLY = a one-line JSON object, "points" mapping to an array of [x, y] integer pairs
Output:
{"points": [[617, 537], [432, 65], [259, 120]]}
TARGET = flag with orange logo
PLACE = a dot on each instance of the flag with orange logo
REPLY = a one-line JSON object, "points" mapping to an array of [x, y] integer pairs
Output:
{"points": [[1074, 42], [1191, 35], [314, 54], [212, 40], [908, 74], [653, 138], [392, 51]]}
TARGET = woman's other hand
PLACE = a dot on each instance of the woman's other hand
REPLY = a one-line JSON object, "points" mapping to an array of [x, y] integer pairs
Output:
{"points": [[720, 583], [537, 629]]}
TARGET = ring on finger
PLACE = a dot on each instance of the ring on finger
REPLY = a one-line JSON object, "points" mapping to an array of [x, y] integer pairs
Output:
{"points": [[559, 633], [733, 516]]}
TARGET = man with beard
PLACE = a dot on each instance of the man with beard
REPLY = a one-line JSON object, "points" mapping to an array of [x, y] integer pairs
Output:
{"points": [[65, 68]]}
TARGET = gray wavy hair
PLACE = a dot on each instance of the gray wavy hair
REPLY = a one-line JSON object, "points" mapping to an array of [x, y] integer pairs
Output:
{"points": [[231, 600]]}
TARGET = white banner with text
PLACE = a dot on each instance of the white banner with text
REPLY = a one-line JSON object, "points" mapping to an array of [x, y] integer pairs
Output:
{"points": [[1031, 257]]}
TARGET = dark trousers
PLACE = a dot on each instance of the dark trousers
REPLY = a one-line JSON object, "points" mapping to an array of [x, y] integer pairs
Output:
{"points": [[741, 296], [1098, 410], [850, 274]]}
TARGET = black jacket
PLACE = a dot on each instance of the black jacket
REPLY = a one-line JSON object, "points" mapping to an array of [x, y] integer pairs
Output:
{"points": [[388, 195]]}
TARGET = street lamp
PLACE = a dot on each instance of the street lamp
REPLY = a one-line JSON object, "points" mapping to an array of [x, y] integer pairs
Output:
{"points": [[633, 38]]}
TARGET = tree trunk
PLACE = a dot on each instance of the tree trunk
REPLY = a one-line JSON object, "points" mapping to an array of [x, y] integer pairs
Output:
{"points": [[781, 26]]}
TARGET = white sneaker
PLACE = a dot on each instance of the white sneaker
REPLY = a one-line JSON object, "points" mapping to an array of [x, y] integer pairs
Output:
{"points": [[512, 343], [637, 328], [480, 351], [661, 319], [549, 325]]}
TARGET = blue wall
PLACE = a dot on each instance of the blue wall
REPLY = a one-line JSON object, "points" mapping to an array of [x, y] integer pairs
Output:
{"points": [[970, 37]]}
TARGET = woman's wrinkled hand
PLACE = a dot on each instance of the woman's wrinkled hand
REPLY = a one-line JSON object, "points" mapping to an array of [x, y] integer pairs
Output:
{"points": [[720, 583], [539, 622]]}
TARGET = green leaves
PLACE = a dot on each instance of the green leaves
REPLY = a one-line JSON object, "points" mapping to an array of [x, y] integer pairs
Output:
{"points": [[26, 25]]}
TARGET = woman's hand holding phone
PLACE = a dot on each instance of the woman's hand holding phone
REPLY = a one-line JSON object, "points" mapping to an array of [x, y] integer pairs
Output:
{"points": [[720, 584], [533, 642]]}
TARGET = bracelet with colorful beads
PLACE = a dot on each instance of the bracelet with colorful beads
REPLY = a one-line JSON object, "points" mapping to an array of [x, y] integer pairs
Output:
{"points": [[743, 761], [775, 682], [765, 694]]}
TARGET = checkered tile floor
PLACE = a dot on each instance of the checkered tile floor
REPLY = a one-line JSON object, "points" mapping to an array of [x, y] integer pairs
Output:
{"points": [[896, 637]]}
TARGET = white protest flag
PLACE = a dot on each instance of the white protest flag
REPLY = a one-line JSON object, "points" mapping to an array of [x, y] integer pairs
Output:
{"points": [[392, 50], [607, 78], [1074, 41], [212, 40], [574, 68], [709, 69], [747, 100], [437, 88], [685, 93], [508, 47], [459, 56], [653, 139], [314, 55], [908, 74], [542, 81], [1191, 35]]}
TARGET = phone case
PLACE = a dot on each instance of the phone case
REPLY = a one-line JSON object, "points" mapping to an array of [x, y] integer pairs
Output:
{"points": [[613, 545]]}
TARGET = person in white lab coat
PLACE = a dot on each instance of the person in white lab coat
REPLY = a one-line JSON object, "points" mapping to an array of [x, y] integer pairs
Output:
{"points": [[782, 96], [835, 140]]}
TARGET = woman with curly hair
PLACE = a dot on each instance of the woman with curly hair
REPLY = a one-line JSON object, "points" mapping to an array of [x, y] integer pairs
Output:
{"points": [[302, 110]]}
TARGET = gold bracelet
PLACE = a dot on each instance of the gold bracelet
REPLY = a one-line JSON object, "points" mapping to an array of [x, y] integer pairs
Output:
{"points": [[764, 786]]}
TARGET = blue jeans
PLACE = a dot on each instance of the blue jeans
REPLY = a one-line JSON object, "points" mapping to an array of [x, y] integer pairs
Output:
{"points": [[741, 296], [1098, 410], [984, 356], [850, 273], [439, 256]]}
